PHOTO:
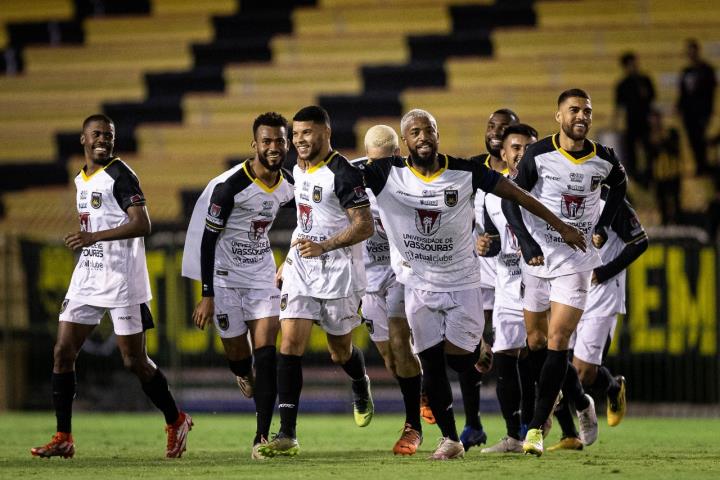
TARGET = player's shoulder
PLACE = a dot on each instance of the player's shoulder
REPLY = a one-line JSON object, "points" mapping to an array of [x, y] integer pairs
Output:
{"points": [[339, 163], [605, 152], [482, 158], [118, 169], [359, 162], [287, 175], [232, 181], [542, 146], [465, 164]]}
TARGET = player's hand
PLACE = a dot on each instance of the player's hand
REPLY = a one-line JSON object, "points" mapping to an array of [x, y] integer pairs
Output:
{"points": [[594, 279], [599, 238], [279, 275], [485, 361], [482, 244], [204, 312], [537, 261], [308, 248], [79, 240], [573, 237]]}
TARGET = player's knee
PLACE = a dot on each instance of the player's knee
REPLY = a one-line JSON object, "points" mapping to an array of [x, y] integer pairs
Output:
{"points": [[559, 339], [537, 340], [587, 374], [340, 355], [137, 364], [63, 356]]}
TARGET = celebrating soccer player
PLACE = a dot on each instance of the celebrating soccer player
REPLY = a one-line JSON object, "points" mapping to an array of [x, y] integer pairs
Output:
{"points": [[425, 204], [110, 276], [323, 275], [565, 171], [228, 250]]}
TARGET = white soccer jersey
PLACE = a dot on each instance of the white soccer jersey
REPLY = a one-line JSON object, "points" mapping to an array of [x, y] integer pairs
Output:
{"points": [[570, 188], [112, 273], [323, 193], [487, 264], [429, 220], [376, 251], [509, 273], [241, 208], [608, 298]]}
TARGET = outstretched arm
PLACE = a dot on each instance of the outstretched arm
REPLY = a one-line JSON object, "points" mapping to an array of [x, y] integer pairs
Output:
{"points": [[360, 228]]}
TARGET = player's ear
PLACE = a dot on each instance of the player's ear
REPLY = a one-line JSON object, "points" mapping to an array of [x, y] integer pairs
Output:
{"points": [[253, 144], [558, 117], [82, 139], [503, 156]]}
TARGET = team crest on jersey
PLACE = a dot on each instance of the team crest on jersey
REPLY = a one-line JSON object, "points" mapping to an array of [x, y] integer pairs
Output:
{"points": [[258, 229], [215, 210], [223, 321], [283, 302], [306, 220], [64, 305], [451, 198], [512, 239], [427, 221], [595, 182], [96, 200], [84, 221], [360, 194], [572, 206], [379, 229], [317, 194]]}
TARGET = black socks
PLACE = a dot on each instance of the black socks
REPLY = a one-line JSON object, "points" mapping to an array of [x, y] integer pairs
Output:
{"points": [[63, 394], [289, 382], [552, 377], [159, 394], [265, 389]]}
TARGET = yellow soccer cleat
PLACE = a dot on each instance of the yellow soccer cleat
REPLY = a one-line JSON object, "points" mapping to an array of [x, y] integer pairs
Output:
{"points": [[533, 444], [567, 443], [363, 407], [280, 446], [616, 407]]}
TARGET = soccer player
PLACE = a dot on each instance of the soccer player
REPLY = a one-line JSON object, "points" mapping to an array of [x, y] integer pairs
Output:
{"points": [[627, 240], [426, 202], [111, 276], [323, 274], [470, 381], [383, 306], [228, 250], [565, 172], [507, 319]]}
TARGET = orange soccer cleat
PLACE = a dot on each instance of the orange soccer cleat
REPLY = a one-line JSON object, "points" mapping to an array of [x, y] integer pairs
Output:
{"points": [[425, 410], [408, 442], [61, 445], [177, 435]]}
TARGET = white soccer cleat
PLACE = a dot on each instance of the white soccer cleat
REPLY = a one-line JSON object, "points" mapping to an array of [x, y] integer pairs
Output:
{"points": [[448, 450], [506, 445], [588, 422]]}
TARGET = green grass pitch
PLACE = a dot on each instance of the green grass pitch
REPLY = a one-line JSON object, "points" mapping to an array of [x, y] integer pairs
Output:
{"points": [[129, 445]]}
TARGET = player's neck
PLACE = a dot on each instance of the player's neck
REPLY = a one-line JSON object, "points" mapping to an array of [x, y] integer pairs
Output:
{"points": [[570, 145], [265, 175], [320, 157], [426, 170], [91, 166], [497, 164]]}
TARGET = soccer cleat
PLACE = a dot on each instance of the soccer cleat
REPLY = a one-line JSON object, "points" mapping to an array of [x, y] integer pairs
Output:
{"points": [[506, 445], [587, 419], [471, 437], [363, 407], [567, 443], [247, 384], [617, 406], [177, 435], [408, 442], [448, 450], [281, 445], [533, 443], [256, 454], [425, 410], [61, 445]]}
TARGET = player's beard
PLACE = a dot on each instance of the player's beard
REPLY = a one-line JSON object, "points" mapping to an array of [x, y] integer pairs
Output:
{"points": [[568, 130], [313, 153], [424, 162], [495, 152], [265, 163]]}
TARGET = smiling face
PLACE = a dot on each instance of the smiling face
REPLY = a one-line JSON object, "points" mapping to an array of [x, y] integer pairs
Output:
{"points": [[421, 138], [514, 148], [497, 123], [309, 138], [98, 141], [575, 117], [271, 146]]}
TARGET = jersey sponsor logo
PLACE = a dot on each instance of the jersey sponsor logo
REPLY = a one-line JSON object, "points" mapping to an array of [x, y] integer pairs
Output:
{"points": [[258, 229], [96, 200], [451, 198], [572, 206], [576, 188], [306, 221], [83, 194], [82, 205], [136, 199], [380, 229], [283, 301], [576, 177], [317, 194], [223, 321], [360, 194], [427, 222], [64, 305], [84, 221], [214, 210], [595, 182]]}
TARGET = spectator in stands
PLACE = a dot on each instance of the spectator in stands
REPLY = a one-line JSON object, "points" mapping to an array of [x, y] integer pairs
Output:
{"points": [[695, 103], [663, 158], [634, 95]]}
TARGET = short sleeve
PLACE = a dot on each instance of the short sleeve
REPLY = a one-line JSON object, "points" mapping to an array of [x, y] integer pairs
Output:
{"points": [[350, 188], [484, 178], [126, 190], [627, 224]]}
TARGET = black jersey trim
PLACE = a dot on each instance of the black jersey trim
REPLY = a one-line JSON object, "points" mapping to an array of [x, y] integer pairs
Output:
{"points": [[568, 155], [264, 187], [87, 178], [327, 160]]}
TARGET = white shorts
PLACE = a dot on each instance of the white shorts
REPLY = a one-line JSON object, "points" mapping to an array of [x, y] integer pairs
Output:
{"points": [[337, 316], [436, 316], [508, 329], [589, 339], [538, 292], [126, 320], [235, 306], [488, 298], [378, 307]]}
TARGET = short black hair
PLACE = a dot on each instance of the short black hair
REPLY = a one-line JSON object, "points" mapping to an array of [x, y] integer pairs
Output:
{"points": [[519, 129], [98, 117], [627, 57], [573, 92], [312, 113], [506, 111], [269, 119]]}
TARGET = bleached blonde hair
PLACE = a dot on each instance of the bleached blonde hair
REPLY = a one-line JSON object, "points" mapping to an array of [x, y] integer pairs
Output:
{"points": [[412, 115], [383, 139]]}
